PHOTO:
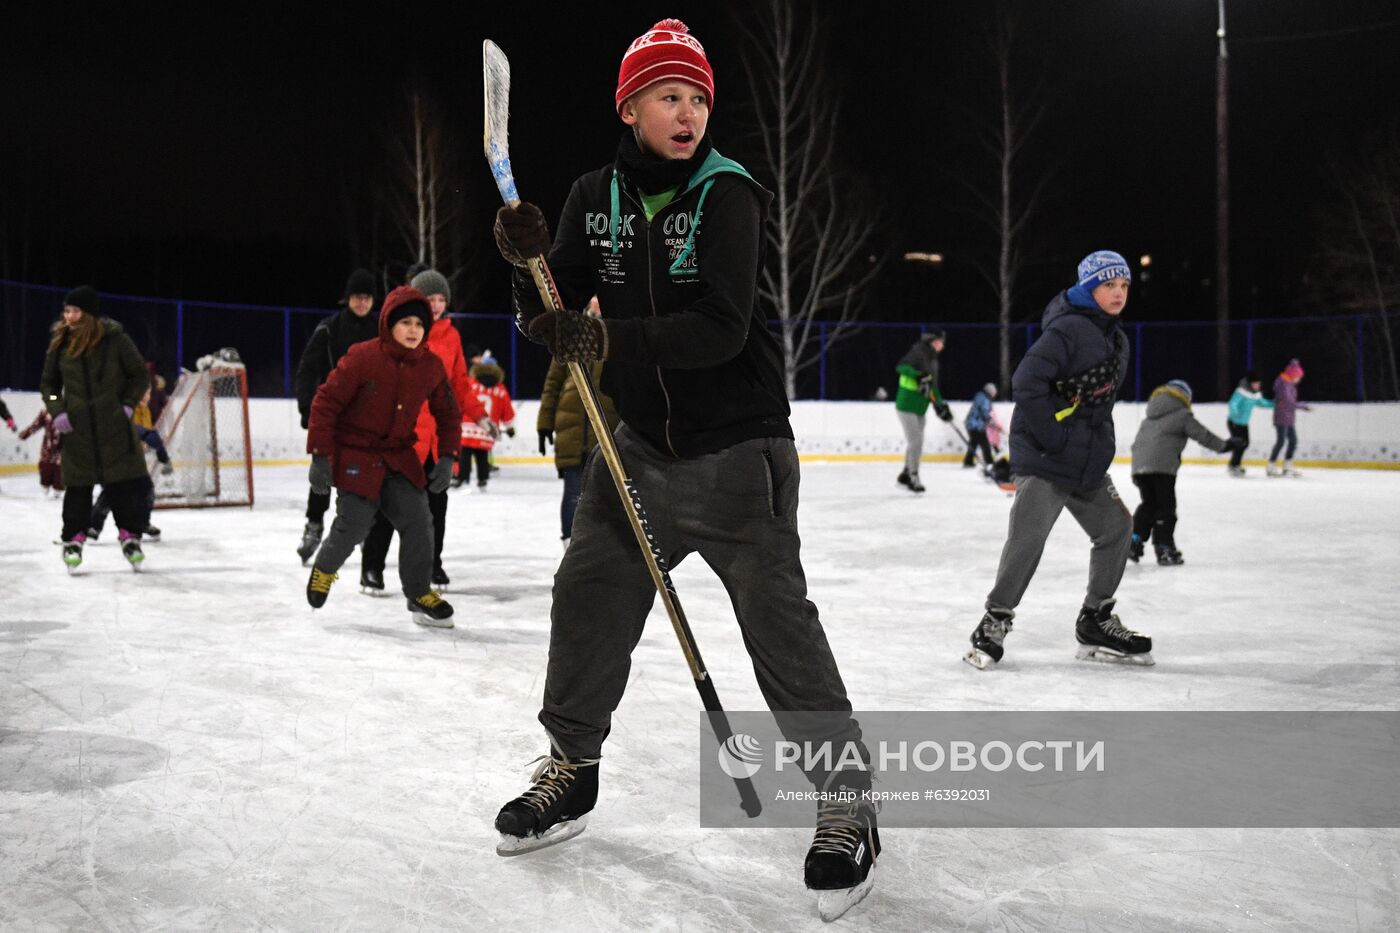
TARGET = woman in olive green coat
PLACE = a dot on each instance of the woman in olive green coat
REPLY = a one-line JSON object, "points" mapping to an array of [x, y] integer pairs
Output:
{"points": [[563, 423], [93, 379]]}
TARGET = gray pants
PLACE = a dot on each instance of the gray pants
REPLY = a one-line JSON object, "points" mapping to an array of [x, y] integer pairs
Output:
{"points": [[406, 508], [737, 509], [1038, 504], [913, 426]]}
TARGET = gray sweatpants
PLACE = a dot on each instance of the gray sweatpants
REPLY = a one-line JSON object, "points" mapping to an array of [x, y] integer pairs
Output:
{"points": [[406, 508], [913, 426], [1038, 504], [737, 509]]}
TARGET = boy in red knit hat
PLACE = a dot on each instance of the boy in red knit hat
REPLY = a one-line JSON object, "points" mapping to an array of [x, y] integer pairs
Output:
{"points": [[669, 236], [361, 437]]}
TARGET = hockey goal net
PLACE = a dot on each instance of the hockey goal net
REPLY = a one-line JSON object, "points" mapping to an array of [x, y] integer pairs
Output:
{"points": [[205, 429]]}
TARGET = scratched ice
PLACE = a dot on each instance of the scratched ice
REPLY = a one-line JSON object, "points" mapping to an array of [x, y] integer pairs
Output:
{"points": [[193, 748]]}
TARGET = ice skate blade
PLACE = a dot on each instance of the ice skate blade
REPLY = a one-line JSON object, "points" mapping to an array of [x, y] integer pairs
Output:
{"points": [[1109, 656], [559, 832], [428, 621], [371, 591], [980, 660], [832, 905]]}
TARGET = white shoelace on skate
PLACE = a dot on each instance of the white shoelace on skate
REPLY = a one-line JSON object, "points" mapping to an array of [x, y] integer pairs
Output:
{"points": [[1114, 628], [551, 778], [995, 629], [838, 831]]}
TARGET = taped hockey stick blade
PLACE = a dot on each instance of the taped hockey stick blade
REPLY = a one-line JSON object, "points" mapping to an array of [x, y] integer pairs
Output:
{"points": [[495, 79]]}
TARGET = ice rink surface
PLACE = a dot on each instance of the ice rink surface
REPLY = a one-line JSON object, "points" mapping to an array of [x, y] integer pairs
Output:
{"points": [[192, 748]]}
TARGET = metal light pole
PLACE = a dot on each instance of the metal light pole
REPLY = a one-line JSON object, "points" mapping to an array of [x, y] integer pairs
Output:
{"points": [[1222, 213]]}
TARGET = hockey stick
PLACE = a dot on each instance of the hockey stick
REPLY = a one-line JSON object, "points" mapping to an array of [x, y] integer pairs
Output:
{"points": [[496, 77]]}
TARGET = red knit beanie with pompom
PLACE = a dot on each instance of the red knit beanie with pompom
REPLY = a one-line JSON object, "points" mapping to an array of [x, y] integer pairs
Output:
{"points": [[665, 52]]}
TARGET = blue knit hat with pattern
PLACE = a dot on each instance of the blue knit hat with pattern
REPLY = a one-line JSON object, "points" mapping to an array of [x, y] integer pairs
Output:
{"points": [[1094, 269], [1100, 266]]}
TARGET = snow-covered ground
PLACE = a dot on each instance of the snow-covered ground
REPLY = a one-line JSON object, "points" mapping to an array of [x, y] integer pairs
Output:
{"points": [[192, 748]]}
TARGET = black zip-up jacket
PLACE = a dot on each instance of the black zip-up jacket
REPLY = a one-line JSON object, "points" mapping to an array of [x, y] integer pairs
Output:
{"points": [[329, 342], [692, 366]]}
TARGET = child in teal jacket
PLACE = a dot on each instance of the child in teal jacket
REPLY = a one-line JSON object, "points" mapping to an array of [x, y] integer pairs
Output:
{"points": [[1245, 399]]}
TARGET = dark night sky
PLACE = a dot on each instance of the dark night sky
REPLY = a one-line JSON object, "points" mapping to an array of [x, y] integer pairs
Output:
{"points": [[229, 155]]}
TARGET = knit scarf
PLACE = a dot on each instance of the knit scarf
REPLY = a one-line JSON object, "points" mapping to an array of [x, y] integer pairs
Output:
{"points": [[650, 172]]}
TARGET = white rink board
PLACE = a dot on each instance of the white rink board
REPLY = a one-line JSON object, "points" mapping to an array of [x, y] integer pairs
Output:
{"points": [[1339, 433]]}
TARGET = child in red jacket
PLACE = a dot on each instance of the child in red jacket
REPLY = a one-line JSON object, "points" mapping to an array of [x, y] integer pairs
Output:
{"points": [[476, 442], [361, 435], [50, 452]]}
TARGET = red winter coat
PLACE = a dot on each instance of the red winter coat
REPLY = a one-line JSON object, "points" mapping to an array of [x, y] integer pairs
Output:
{"points": [[365, 414], [446, 344]]}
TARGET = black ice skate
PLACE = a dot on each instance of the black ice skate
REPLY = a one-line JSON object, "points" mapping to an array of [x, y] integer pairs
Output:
{"points": [[152, 533], [431, 610], [440, 578], [905, 478], [1102, 637], [989, 638], [1135, 549], [319, 587], [94, 533], [310, 540], [1169, 556], [554, 809], [372, 582], [73, 553], [131, 550], [840, 865]]}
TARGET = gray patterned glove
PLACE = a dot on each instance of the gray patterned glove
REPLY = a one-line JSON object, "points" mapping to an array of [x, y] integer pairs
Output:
{"points": [[440, 476], [320, 475]]}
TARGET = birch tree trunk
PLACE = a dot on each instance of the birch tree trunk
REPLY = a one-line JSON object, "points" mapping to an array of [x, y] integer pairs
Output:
{"points": [[820, 227]]}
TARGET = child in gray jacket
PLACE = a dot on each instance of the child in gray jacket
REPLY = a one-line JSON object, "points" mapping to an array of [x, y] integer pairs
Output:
{"points": [[1156, 458]]}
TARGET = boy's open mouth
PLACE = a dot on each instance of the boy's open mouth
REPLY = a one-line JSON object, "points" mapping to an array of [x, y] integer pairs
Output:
{"points": [[683, 138]]}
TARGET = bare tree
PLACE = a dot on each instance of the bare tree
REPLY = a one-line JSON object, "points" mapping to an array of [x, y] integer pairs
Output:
{"points": [[427, 204], [819, 231], [1361, 241], [1004, 207]]}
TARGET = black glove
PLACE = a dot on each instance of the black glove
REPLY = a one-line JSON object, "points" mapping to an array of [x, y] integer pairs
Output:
{"points": [[521, 234], [940, 408], [510, 432], [572, 338], [320, 475], [1236, 443], [546, 437], [440, 476]]}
